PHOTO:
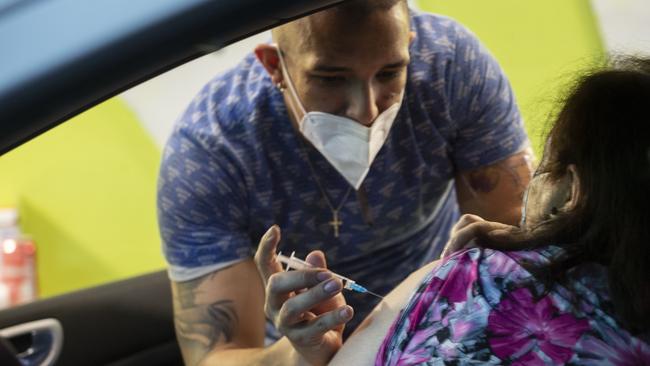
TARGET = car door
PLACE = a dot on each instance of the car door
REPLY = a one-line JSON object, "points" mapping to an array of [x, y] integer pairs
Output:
{"points": [[103, 325]]}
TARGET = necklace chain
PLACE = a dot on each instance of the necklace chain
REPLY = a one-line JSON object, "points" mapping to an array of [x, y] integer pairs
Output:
{"points": [[336, 222]]}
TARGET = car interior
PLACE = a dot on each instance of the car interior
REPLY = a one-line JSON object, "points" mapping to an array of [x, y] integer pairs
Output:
{"points": [[62, 59]]}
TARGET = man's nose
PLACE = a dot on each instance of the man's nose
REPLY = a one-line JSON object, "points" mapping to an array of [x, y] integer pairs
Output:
{"points": [[363, 105]]}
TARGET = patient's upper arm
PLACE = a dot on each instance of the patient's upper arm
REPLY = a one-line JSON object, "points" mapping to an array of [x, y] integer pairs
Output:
{"points": [[362, 346]]}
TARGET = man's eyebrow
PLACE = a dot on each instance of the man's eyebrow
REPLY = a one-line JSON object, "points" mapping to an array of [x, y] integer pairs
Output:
{"points": [[328, 68], [395, 65]]}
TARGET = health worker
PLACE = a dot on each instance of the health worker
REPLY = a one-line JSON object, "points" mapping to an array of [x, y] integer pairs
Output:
{"points": [[360, 133]]}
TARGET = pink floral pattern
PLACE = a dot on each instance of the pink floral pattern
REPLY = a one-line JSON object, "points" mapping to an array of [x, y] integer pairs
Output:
{"points": [[519, 326], [482, 307]]}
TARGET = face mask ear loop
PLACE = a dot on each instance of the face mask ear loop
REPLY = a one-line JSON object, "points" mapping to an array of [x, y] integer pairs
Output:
{"points": [[522, 222], [285, 73]]}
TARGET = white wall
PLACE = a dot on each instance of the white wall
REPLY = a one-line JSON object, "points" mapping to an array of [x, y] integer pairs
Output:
{"points": [[625, 25], [161, 100]]}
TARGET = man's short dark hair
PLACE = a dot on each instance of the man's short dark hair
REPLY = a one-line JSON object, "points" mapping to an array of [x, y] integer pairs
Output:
{"points": [[367, 6], [354, 11]]}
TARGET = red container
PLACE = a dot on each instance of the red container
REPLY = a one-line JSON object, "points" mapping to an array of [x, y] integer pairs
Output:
{"points": [[17, 271]]}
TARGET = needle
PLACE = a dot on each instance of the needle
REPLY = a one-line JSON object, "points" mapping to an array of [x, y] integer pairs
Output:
{"points": [[348, 284]]}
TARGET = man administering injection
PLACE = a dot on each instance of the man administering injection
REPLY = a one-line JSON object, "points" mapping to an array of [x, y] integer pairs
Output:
{"points": [[360, 134]]}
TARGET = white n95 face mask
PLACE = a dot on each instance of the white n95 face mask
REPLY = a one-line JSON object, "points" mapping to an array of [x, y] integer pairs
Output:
{"points": [[348, 145]]}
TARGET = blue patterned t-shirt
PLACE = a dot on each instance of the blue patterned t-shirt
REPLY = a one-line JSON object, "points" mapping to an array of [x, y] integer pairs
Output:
{"points": [[234, 166]]}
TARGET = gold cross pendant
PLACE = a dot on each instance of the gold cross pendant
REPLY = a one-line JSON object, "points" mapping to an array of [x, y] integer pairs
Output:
{"points": [[335, 223]]}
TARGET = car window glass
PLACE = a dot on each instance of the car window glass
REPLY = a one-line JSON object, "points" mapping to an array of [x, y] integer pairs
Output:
{"points": [[77, 204], [83, 194]]}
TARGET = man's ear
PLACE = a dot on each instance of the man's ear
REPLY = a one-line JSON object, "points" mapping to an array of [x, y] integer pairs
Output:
{"points": [[574, 188], [411, 37], [268, 55]]}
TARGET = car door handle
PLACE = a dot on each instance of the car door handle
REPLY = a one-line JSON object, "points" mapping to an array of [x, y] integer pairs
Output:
{"points": [[46, 341]]}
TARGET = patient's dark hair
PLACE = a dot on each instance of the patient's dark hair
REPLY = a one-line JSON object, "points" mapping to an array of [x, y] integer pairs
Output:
{"points": [[603, 128]]}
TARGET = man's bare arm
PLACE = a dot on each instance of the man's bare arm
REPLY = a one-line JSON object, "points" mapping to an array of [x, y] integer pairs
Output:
{"points": [[219, 319], [495, 192], [202, 326]]}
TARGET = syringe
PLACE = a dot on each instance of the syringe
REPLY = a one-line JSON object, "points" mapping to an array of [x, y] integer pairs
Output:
{"points": [[348, 284]]}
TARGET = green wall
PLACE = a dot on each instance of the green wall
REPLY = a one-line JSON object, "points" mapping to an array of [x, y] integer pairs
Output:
{"points": [[86, 193], [86, 189], [541, 45]]}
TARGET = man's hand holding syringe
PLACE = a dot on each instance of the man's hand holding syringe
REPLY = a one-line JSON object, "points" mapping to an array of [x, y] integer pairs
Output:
{"points": [[305, 304]]}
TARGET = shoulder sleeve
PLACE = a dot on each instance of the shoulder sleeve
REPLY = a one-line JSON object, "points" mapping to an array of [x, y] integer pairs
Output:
{"points": [[202, 205], [482, 105], [444, 307]]}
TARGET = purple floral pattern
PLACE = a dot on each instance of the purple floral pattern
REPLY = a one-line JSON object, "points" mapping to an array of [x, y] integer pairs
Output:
{"points": [[482, 307], [519, 326], [616, 348]]}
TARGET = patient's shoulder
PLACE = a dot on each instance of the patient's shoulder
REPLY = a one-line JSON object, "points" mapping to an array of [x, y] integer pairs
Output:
{"points": [[482, 306]]}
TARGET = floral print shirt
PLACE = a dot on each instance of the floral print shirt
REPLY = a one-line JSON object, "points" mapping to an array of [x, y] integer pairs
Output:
{"points": [[481, 307]]}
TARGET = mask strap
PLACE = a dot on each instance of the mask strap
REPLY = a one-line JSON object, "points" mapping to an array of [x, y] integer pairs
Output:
{"points": [[522, 222], [285, 73]]}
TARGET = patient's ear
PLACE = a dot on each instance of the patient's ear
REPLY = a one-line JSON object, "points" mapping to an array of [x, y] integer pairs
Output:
{"points": [[574, 188]]}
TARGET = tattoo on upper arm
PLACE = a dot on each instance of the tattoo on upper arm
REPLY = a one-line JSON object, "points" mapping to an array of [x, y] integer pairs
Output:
{"points": [[201, 326], [485, 180]]}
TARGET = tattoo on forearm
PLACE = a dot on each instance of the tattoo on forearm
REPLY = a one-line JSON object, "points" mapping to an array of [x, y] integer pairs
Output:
{"points": [[225, 319], [200, 327], [187, 292]]}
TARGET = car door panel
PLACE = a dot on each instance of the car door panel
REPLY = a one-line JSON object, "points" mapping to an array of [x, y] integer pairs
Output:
{"points": [[124, 323]]}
